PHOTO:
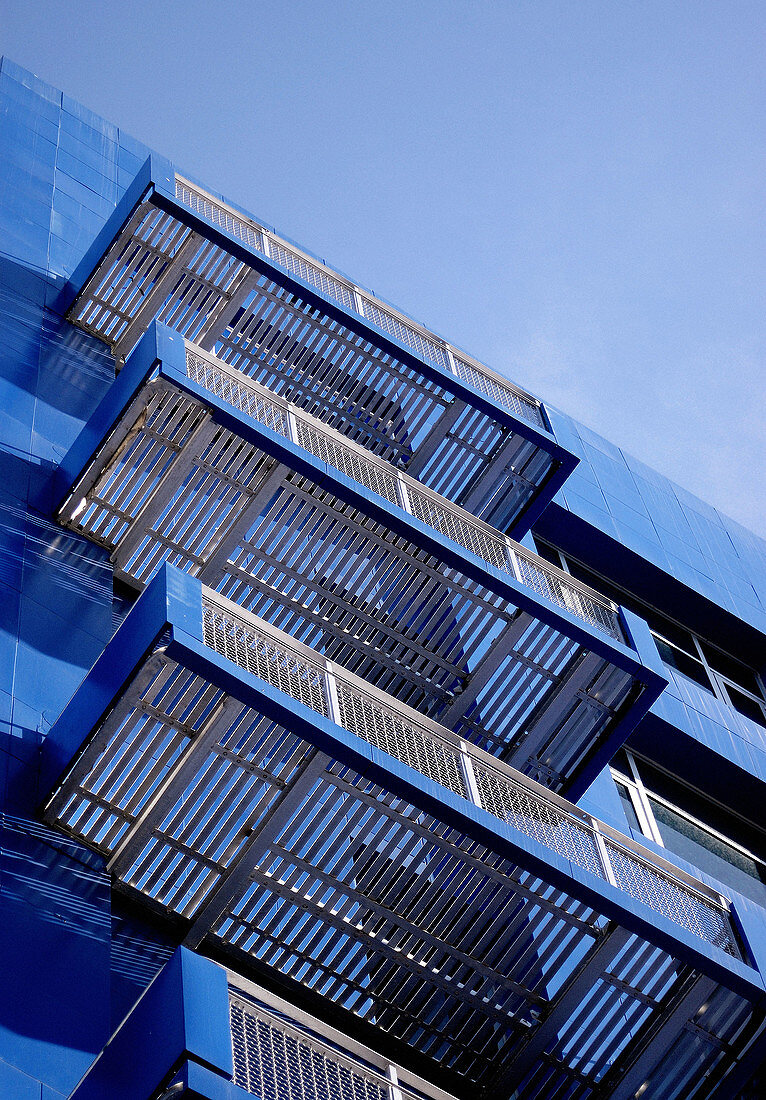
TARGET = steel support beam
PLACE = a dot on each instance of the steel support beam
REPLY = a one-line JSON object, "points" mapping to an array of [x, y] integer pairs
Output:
{"points": [[573, 683], [150, 307], [545, 1035], [242, 866], [435, 438], [167, 793], [164, 491], [474, 501], [226, 310], [214, 567], [624, 1081], [484, 672], [106, 730]]}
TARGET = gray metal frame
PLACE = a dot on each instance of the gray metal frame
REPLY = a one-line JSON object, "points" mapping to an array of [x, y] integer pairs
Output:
{"points": [[277, 854], [170, 484]]}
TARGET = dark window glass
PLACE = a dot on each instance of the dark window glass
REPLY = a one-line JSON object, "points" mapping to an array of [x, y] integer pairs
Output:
{"points": [[620, 761], [745, 705], [731, 669], [710, 853], [627, 805], [683, 663], [546, 551]]}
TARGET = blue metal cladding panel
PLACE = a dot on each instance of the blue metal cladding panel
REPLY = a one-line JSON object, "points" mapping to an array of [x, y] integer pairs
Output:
{"points": [[60, 174], [184, 1013], [663, 523], [54, 953]]}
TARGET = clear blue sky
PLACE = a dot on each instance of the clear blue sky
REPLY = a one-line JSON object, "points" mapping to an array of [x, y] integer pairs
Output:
{"points": [[572, 191]]}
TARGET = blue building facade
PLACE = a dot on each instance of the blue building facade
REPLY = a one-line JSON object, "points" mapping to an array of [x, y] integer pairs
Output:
{"points": [[369, 727]]}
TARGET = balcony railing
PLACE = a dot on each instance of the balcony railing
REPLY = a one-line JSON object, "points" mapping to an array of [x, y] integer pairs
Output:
{"points": [[174, 254], [292, 819], [464, 769], [352, 297], [277, 1057], [404, 491], [186, 463]]}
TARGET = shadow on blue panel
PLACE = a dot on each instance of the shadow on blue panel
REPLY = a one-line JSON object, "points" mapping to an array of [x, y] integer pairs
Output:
{"points": [[138, 952], [55, 568], [54, 954], [42, 354]]}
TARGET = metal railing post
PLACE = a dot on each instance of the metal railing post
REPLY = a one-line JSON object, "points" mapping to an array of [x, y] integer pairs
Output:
{"points": [[603, 854], [469, 776], [331, 693]]}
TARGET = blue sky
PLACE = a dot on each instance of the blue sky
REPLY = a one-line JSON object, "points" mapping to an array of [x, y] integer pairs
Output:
{"points": [[572, 191]]}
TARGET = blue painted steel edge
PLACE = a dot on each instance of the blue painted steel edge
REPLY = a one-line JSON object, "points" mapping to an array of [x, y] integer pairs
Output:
{"points": [[200, 1083], [183, 1014], [167, 599], [462, 815], [155, 168], [640, 638]]}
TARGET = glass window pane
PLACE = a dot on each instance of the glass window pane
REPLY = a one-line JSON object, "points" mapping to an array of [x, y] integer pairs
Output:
{"points": [[731, 669], [627, 805], [710, 853], [745, 705], [683, 663]]}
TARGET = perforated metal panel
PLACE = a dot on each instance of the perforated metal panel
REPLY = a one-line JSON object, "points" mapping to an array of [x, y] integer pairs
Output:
{"points": [[159, 268], [170, 485], [214, 813], [276, 1064]]}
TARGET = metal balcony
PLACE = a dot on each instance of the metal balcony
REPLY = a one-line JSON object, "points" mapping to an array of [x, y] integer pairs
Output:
{"points": [[186, 463], [175, 253], [289, 817], [202, 1033]]}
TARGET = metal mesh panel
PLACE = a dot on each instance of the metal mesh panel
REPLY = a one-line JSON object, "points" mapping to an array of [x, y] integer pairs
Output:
{"points": [[402, 740], [665, 895], [275, 1064], [459, 528], [236, 392], [348, 461], [409, 336], [218, 215], [311, 274], [537, 819], [500, 794], [451, 521], [232, 638], [505, 397], [559, 591]]}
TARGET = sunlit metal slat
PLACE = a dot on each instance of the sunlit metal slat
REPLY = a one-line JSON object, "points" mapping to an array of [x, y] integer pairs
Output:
{"points": [[233, 499], [330, 347]]}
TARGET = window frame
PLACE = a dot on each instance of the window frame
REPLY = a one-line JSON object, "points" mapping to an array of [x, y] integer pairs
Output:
{"points": [[719, 683], [641, 796]]}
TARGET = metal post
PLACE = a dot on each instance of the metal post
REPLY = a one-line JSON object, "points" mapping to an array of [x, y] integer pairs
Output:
{"points": [[404, 494], [394, 1092], [331, 692], [451, 360], [603, 854], [292, 426], [469, 776]]}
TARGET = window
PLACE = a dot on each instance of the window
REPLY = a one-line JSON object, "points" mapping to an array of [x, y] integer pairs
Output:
{"points": [[666, 811], [728, 679]]}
